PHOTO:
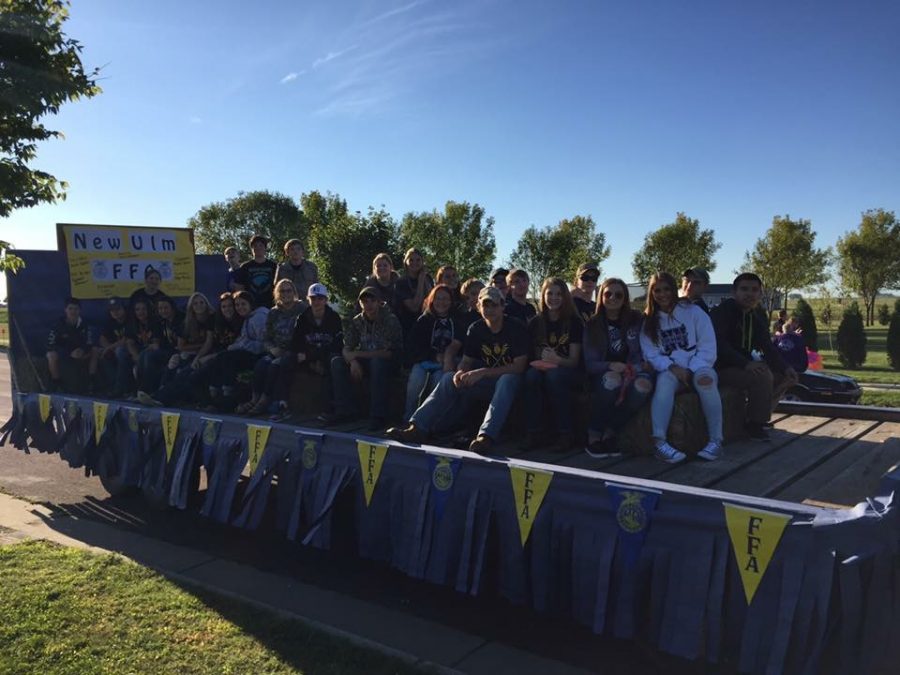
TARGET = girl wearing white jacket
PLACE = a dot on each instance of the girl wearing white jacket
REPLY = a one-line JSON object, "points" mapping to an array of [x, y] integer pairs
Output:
{"points": [[679, 341]]}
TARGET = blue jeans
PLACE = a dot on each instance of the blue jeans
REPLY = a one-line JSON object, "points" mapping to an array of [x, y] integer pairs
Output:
{"points": [[605, 414], [558, 385], [667, 385], [124, 376], [500, 391], [151, 364], [379, 372], [419, 386]]}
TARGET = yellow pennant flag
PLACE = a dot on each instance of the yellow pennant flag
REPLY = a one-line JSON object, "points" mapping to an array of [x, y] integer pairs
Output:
{"points": [[754, 537], [257, 437], [100, 410], [371, 457], [529, 488], [44, 406], [170, 430]]}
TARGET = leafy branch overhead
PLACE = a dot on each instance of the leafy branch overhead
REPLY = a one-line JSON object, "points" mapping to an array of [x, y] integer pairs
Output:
{"points": [[674, 248]]}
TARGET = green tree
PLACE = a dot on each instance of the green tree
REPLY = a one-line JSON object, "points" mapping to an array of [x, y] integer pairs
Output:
{"points": [[461, 236], [675, 247], [559, 250], [851, 338], [343, 244], [786, 258], [804, 314], [40, 70], [869, 257], [232, 222], [884, 314]]}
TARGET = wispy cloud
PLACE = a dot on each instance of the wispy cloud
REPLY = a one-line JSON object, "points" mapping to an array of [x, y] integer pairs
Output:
{"points": [[331, 56], [290, 77], [193, 119], [399, 50]]}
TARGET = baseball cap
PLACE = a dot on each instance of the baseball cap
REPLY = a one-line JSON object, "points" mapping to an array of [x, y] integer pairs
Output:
{"points": [[587, 267], [698, 272], [499, 272], [367, 290], [114, 302], [317, 289], [491, 293]]}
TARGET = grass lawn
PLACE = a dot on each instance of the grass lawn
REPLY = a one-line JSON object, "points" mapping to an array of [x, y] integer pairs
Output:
{"points": [[875, 369], [68, 611], [882, 399]]}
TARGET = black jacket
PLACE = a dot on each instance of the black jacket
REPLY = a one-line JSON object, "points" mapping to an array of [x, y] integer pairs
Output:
{"points": [[738, 333]]}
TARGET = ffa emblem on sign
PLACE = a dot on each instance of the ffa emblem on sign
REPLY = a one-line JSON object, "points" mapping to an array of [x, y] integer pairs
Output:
{"points": [[309, 457], [132, 420], [631, 515], [442, 476], [209, 432], [71, 409]]}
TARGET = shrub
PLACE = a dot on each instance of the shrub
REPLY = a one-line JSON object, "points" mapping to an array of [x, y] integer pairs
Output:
{"points": [[851, 338], [804, 314], [826, 314], [884, 315], [893, 341]]}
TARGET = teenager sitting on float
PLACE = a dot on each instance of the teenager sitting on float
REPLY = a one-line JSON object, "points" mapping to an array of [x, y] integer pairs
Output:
{"points": [[517, 305], [556, 336], [621, 380], [679, 342], [70, 353], [373, 343], [412, 288], [495, 356], [428, 347], [240, 355], [141, 336], [586, 278], [383, 279], [280, 321]]}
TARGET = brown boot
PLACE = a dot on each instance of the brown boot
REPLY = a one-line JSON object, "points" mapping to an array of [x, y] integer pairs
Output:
{"points": [[410, 434]]}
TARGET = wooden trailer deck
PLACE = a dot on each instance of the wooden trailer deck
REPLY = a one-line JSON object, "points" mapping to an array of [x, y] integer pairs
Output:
{"points": [[823, 455]]}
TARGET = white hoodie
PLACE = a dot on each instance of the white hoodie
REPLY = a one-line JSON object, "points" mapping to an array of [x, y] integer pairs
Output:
{"points": [[685, 338]]}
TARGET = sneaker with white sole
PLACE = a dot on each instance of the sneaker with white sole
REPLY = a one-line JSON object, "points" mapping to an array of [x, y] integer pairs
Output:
{"points": [[711, 452], [669, 454]]}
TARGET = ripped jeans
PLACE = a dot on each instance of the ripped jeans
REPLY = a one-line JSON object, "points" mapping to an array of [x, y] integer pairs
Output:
{"points": [[606, 411], [705, 383]]}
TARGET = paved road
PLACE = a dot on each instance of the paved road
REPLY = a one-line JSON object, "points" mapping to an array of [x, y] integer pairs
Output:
{"points": [[47, 480]]}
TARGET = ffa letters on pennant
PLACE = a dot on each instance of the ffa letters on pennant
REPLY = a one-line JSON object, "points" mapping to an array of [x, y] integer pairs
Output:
{"points": [[371, 458], [529, 488], [100, 411], [257, 438], [754, 537], [169, 422]]}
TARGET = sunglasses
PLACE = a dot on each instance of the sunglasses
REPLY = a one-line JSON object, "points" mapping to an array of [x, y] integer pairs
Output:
{"points": [[613, 294], [589, 277]]}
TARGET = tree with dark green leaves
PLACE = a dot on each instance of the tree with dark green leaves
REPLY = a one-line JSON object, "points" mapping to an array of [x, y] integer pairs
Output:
{"points": [[40, 70], [786, 259], [460, 236], [869, 257], [559, 250], [807, 319], [851, 338], [674, 248], [232, 222], [893, 339], [343, 244], [884, 314]]}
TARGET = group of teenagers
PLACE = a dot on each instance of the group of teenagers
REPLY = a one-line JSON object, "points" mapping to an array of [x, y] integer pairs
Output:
{"points": [[458, 342]]}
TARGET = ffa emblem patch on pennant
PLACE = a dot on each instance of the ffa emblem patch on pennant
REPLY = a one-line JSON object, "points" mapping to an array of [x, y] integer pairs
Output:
{"points": [[633, 510], [443, 475]]}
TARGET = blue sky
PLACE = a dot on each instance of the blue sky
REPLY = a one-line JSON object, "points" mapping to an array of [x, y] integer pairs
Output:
{"points": [[627, 111]]}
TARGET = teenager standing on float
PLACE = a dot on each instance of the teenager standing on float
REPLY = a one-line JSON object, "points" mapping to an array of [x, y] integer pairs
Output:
{"points": [[297, 268], [151, 293], [585, 287], [257, 276], [517, 305], [679, 342]]}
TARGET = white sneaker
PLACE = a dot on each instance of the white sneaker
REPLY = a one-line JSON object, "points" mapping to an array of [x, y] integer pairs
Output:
{"points": [[669, 454], [711, 452]]}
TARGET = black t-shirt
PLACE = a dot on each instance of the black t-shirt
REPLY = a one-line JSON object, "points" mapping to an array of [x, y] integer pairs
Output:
{"points": [[431, 335], [405, 289], [616, 345], [493, 350], [141, 295], [225, 330], [516, 310], [320, 342], [168, 334], [66, 337], [201, 328], [465, 318], [585, 308], [114, 330], [259, 279], [558, 335], [386, 293], [142, 334]]}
